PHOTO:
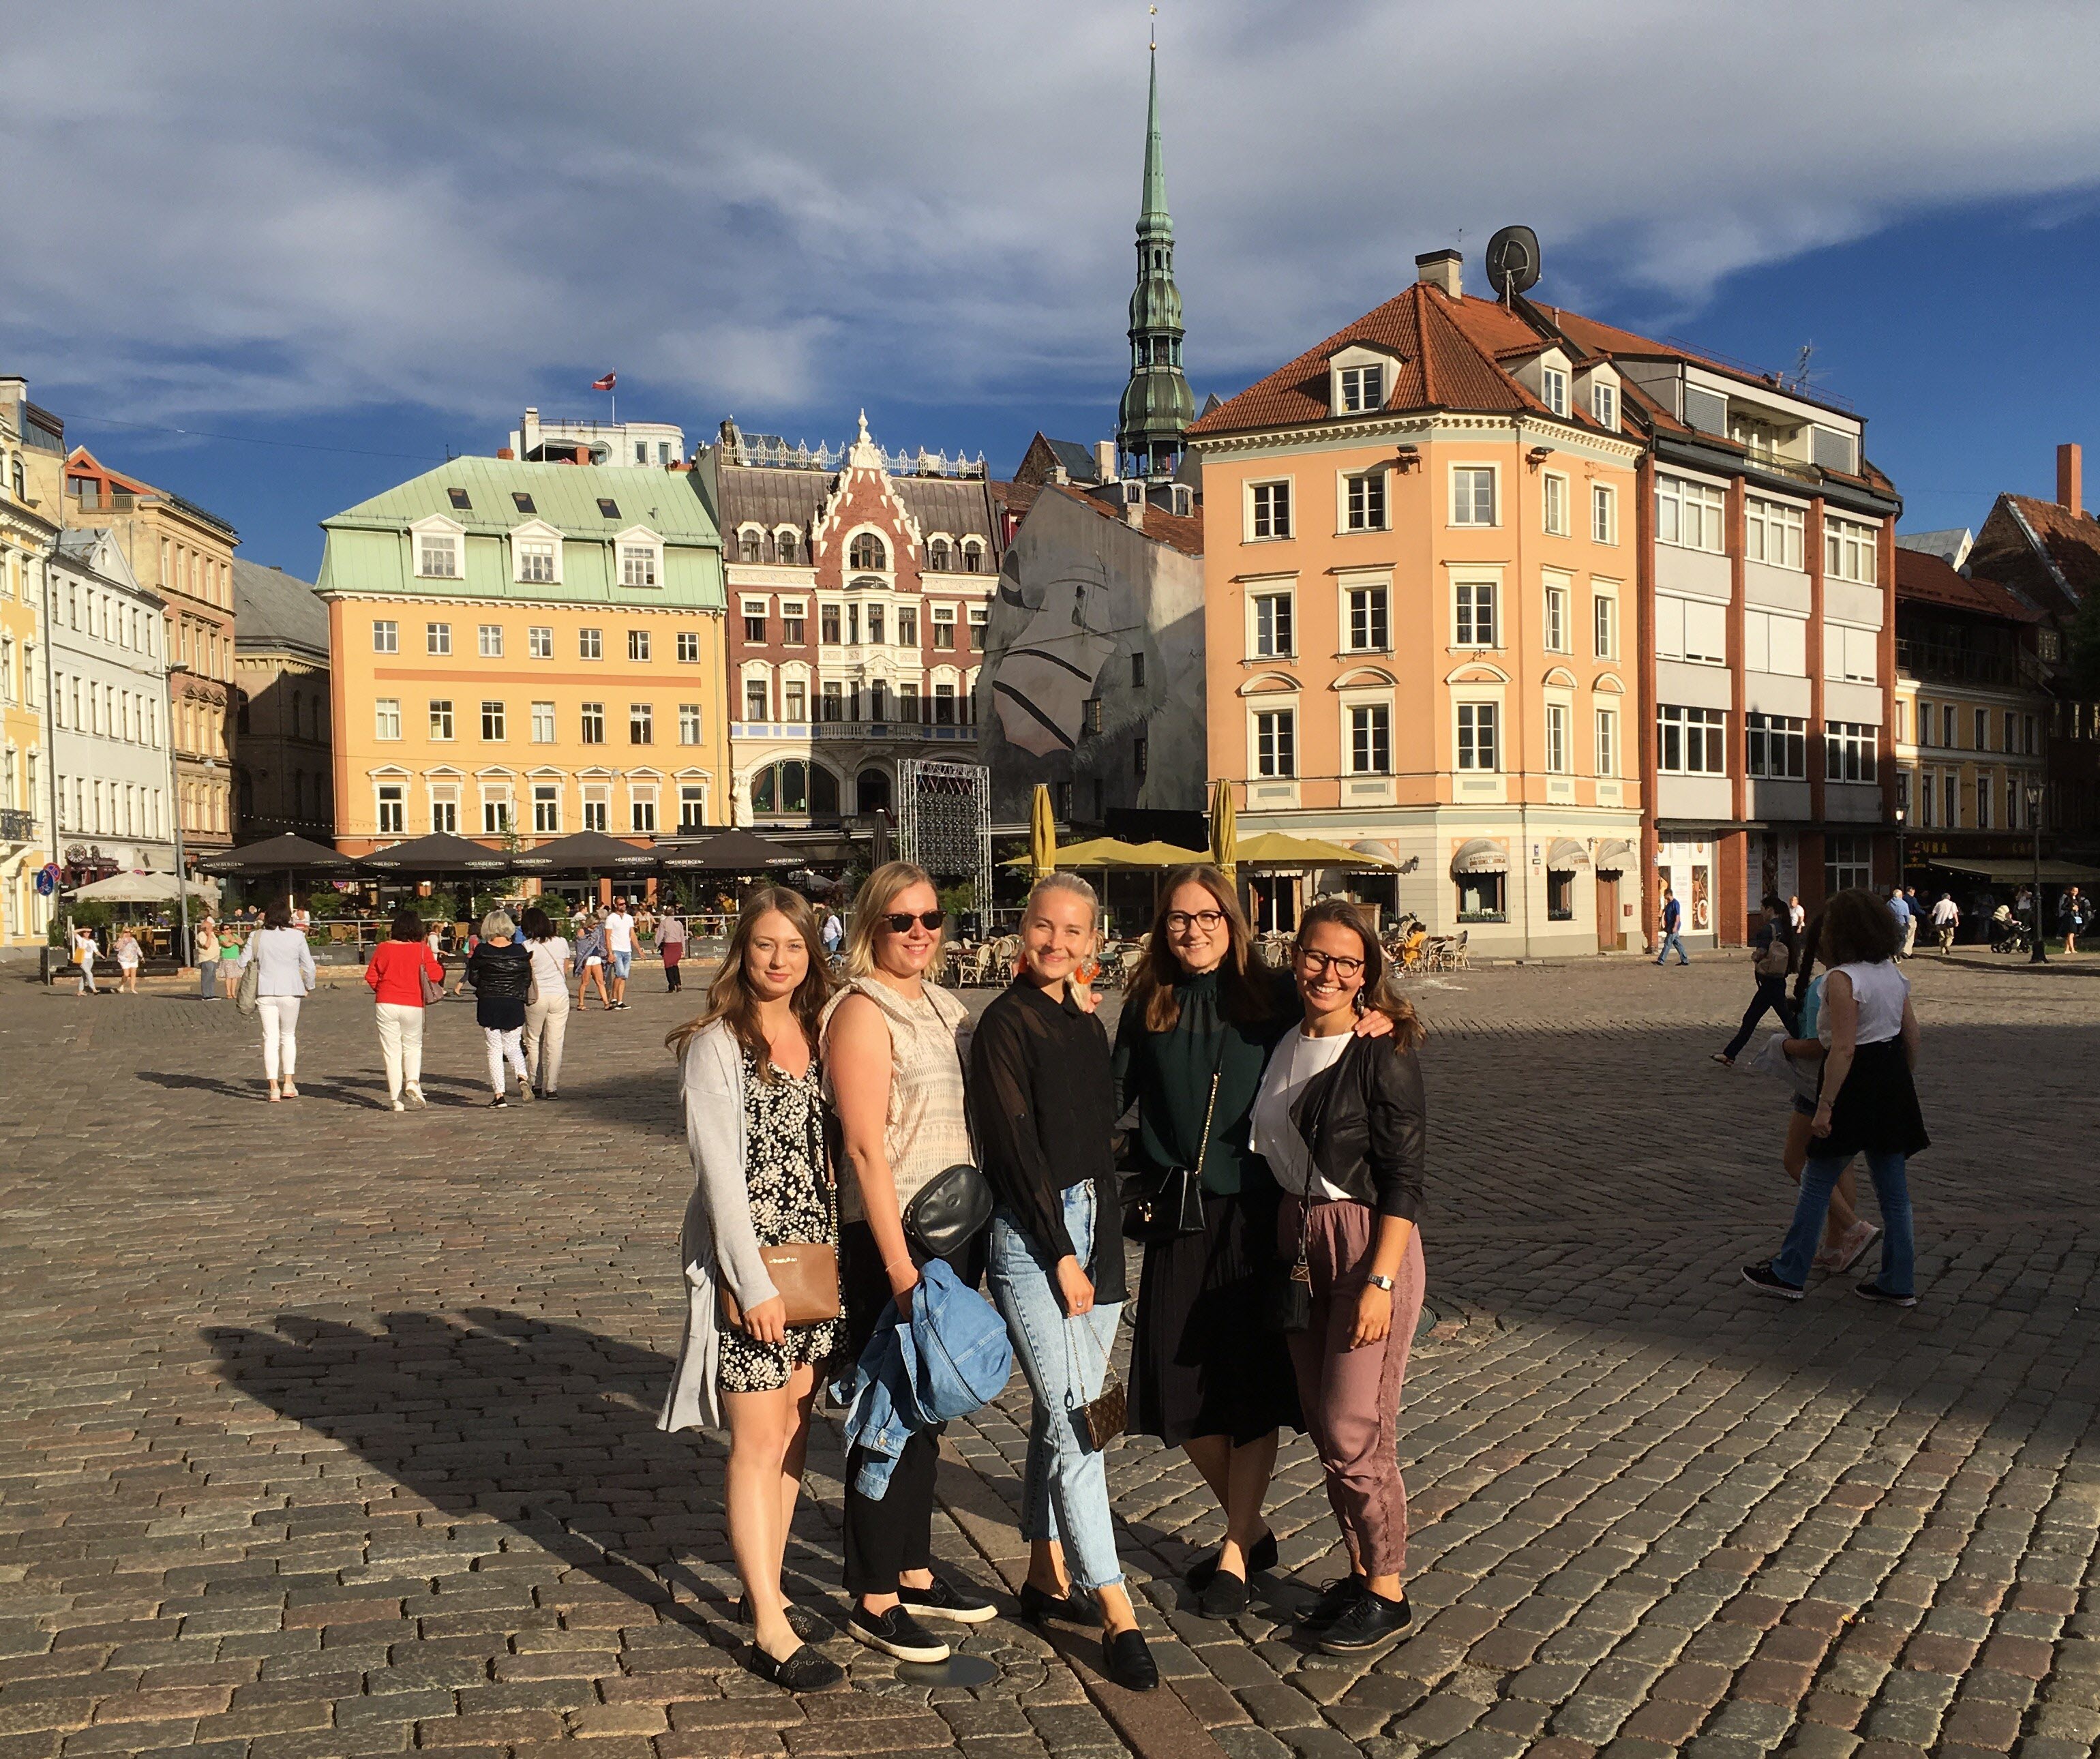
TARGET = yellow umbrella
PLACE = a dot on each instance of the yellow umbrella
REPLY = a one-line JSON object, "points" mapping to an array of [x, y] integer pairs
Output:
{"points": [[1041, 833], [1225, 833], [1159, 854], [1276, 848], [1098, 852]]}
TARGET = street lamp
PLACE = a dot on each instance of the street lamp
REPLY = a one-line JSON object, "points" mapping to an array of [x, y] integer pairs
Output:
{"points": [[2038, 956]]}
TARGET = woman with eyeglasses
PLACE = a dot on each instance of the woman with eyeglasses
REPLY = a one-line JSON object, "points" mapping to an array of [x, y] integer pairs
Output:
{"points": [[1340, 1121], [1207, 1374], [893, 1049]]}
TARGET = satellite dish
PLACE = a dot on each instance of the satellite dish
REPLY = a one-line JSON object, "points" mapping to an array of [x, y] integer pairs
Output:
{"points": [[1513, 260]]}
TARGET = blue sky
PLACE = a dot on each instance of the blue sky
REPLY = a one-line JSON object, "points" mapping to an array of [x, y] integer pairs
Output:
{"points": [[379, 232]]}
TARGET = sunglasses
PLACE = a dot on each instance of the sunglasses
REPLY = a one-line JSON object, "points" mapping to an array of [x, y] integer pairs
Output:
{"points": [[900, 922]]}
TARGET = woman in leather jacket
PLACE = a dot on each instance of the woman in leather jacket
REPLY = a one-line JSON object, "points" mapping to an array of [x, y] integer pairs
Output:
{"points": [[1340, 1120]]}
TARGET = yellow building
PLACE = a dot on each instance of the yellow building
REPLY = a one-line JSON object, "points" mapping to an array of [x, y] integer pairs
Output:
{"points": [[526, 650], [26, 538]]}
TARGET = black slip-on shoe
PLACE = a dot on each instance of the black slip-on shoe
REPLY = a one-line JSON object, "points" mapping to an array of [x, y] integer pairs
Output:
{"points": [[1126, 1660], [945, 1600], [896, 1633], [1766, 1282], [1874, 1292], [811, 1626], [1335, 1598], [1075, 1606], [1224, 1596], [1370, 1621], [804, 1671], [1260, 1556]]}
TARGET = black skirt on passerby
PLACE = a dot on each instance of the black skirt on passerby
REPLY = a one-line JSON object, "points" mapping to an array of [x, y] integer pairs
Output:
{"points": [[1877, 1111], [1203, 1362]]}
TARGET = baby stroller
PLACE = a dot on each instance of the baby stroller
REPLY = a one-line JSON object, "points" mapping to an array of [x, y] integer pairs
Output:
{"points": [[2010, 933]]}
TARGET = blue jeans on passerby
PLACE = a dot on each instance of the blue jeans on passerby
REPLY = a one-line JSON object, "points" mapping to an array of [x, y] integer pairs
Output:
{"points": [[1672, 938], [1892, 1191], [1772, 993], [1065, 1486]]}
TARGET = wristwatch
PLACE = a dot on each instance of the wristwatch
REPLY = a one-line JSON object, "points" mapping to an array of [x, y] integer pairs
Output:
{"points": [[1377, 1282]]}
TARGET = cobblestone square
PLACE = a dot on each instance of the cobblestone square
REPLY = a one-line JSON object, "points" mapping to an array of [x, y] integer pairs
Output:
{"points": [[329, 1431]]}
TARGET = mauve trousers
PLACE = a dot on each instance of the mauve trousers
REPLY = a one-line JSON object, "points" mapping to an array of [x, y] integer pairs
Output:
{"points": [[1352, 1397]]}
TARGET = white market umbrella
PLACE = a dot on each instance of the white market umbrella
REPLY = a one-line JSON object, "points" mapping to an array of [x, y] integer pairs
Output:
{"points": [[138, 888]]}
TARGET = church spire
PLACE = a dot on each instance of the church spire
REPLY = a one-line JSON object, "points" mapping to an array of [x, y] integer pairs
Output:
{"points": [[1157, 404]]}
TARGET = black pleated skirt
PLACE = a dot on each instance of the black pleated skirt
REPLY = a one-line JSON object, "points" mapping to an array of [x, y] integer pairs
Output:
{"points": [[1203, 1361], [1876, 1109]]}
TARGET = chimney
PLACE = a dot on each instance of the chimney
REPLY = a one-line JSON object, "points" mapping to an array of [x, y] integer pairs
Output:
{"points": [[1439, 268], [505, 451], [2070, 478], [528, 435], [1105, 460]]}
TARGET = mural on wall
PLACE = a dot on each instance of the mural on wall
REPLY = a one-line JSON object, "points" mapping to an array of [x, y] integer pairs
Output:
{"points": [[1039, 686]]}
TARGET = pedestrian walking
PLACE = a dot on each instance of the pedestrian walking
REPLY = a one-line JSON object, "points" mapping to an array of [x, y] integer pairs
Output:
{"points": [[1772, 962], [204, 949], [285, 977], [1796, 915], [231, 944], [1867, 1103], [1340, 1119], [589, 956], [2070, 917], [1042, 1092], [396, 972], [128, 956], [501, 973], [671, 945], [619, 948], [1673, 923], [750, 1085], [1946, 919], [834, 932], [547, 1014], [1902, 902], [893, 1045], [84, 947]]}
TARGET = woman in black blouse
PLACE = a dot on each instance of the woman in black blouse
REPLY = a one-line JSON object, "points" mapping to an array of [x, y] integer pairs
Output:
{"points": [[1043, 1102]]}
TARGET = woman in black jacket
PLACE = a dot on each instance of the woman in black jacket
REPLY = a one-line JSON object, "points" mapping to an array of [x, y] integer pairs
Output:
{"points": [[501, 971], [1340, 1121]]}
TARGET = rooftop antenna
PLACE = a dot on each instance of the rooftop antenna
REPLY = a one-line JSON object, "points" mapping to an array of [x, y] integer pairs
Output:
{"points": [[1804, 379]]}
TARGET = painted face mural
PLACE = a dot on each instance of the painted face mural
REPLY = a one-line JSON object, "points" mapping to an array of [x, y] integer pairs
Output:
{"points": [[1041, 684]]}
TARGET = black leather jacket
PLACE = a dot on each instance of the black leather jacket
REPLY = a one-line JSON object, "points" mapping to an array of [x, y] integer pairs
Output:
{"points": [[1365, 1124], [501, 973]]}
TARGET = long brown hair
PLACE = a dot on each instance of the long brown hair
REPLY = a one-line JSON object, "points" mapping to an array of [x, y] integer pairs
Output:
{"points": [[1378, 991], [730, 998], [1858, 928], [1246, 984]]}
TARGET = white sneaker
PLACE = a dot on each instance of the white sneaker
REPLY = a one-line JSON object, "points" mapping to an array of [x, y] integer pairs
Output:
{"points": [[400, 1106], [416, 1098]]}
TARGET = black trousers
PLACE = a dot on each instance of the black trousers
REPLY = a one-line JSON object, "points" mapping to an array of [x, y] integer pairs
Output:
{"points": [[1771, 993], [884, 1539], [671, 976]]}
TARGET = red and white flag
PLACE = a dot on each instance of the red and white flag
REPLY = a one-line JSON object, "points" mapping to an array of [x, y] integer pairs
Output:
{"points": [[606, 383]]}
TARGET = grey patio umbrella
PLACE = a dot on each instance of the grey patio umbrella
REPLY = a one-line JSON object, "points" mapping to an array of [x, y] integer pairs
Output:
{"points": [[584, 852], [730, 851], [283, 854], [435, 856]]}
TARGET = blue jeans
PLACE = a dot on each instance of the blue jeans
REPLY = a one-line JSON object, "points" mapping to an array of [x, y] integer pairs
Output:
{"points": [[1892, 1191], [1064, 1487], [1672, 938]]}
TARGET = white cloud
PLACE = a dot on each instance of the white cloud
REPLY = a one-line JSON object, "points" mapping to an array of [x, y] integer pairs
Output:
{"points": [[787, 209]]}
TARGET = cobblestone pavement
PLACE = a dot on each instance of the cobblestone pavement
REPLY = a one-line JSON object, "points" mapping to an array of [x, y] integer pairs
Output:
{"points": [[329, 1431]]}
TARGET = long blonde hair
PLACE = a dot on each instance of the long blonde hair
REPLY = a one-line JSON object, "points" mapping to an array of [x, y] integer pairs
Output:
{"points": [[730, 998], [883, 888]]}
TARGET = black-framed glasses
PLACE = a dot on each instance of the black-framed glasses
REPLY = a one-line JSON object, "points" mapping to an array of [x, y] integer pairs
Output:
{"points": [[1179, 921], [1317, 962], [900, 921]]}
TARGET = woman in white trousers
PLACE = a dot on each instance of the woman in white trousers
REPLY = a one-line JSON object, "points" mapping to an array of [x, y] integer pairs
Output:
{"points": [[286, 967], [547, 1016], [399, 964]]}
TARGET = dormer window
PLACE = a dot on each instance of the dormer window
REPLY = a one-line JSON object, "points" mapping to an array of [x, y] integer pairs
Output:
{"points": [[789, 546], [1605, 405], [937, 555], [1363, 388], [1553, 388], [437, 549]]}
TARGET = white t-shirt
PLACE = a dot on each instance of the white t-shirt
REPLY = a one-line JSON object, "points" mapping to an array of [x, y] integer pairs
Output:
{"points": [[548, 959], [1275, 1137], [619, 933], [1945, 912]]}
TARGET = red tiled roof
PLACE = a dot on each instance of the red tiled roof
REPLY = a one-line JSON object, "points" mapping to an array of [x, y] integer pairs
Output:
{"points": [[1929, 578], [1167, 528], [2072, 540]]}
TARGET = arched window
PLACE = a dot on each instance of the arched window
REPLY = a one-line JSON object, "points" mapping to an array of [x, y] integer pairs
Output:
{"points": [[871, 792], [792, 786], [972, 556], [750, 546], [937, 554], [868, 551], [790, 546]]}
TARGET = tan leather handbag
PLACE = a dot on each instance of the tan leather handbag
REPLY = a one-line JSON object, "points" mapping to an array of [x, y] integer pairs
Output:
{"points": [[806, 1273]]}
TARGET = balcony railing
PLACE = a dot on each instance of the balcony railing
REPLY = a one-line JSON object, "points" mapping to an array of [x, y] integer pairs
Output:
{"points": [[1953, 665], [849, 730], [17, 825]]}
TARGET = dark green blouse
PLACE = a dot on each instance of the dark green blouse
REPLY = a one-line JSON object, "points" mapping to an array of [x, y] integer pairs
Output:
{"points": [[1167, 1076]]}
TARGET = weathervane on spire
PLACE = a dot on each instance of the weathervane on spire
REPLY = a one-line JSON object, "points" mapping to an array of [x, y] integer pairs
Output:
{"points": [[1155, 12]]}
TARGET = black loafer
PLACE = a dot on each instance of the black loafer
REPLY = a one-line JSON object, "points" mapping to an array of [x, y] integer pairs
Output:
{"points": [[1075, 1606], [804, 1671], [1367, 1623], [1126, 1661], [812, 1628], [1224, 1596], [944, 1600], [1260, 1556]]}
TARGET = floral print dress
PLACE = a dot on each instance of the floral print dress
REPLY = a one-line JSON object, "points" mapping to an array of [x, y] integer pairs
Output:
{"points": [[784, 1171]]}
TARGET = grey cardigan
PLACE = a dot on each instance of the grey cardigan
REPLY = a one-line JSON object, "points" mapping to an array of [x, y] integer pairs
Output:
{"points": [[718, 1242], [287, 962]]}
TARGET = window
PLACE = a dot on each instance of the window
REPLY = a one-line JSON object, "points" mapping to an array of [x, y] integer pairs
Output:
{"points": [[393, 808], [590, 644], [637, 564], [1774, 642], [1951, 786], [692, 807], [641, 723], [1480, 898], [1983, 800], [978, 616], [593, 729], [754, 621], [1275, 743], [1473, 624], [867, 551], [1556, 618], [597, 811], [1605, 625], [1090, 715], [937, 555], [607, 507], [1479, 746], [749, 547], [539, 642], [1370, 739], [522, 501], [1140, 755], [385, 636], [490, 637], [492, 722], [2030, 731], [754, 697], [642, 810], [789, 546], [907, 626], [1690, 629], [1983, 730], [972, 556], [1772, 532], [875, 625], [496, 814], [1473, 495], [1371, 629], [441, 718], [637, 644], [2012, 730], [1847, 862], [444, 810], [1849, 752], [1553, 388], [1365, 509], [1605, 405], [437, 638], [792, 786], [1848, 549], [944, 627], [793, 625], [689, 647], [546, 807], [797, 707], [1268, 510], [1850, 653], [535, 559], [1363, 388], [1947, 726], [1554, 499], [828, 624], [688, 723], [1560, 897], [1777, 747], [386, 718], [1692, 742], [1608, 742], [542, 723], [437, 555], [1272, 631], [1688, 514], [833, 701], [1557, 757], [944, 706], [460, 500]]}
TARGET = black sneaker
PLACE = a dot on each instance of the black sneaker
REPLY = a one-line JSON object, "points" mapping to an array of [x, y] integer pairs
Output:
{"points": [[1874, 1292], [944, 1600], [498, 1100], [1126, 1660], [1335, 1598], [1767, 1281], [804, 1671], [1261, 1555], [810, 1627], [896, 1633], [1370, 1621]]}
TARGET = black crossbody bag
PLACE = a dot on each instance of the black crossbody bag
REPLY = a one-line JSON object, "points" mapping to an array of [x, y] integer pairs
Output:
{"points": [[1165, 1202]]}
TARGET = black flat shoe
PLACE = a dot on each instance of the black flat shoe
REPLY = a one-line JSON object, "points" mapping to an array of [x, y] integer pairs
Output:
{"points": [[812, 1628], [1126, 1661], [804, 1671], [1074, 1606], [1261, 1555], [1224, 1596], [1369, 1622], [1335, 1598]]}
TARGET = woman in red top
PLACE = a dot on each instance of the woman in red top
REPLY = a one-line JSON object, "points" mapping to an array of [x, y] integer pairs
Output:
{"points": [[396, 973]]}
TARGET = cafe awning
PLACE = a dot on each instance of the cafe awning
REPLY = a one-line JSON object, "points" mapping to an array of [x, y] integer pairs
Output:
{"points": [[1616, 855], [1564, 855], [2014, 872], [1481, 855]]}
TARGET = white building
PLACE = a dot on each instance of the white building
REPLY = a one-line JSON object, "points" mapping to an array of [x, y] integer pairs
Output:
{"points": [[654, 445], [109, 709]]}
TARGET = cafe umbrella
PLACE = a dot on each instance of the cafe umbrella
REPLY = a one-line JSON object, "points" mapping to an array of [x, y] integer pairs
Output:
{"points": [[436, 856], [734, 851]]}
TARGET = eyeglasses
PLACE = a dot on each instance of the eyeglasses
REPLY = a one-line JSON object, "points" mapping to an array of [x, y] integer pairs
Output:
{"points": [[1178, 921], [900, 922], [1317, 962]]}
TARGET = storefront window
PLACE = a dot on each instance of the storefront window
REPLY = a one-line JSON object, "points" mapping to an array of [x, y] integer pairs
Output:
{"points": [[1480, 898]]}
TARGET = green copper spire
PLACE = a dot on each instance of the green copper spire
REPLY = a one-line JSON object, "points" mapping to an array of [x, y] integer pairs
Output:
{"points": [[1157, 404]]}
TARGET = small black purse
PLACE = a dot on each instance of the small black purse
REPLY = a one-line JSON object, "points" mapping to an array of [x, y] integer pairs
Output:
{"points": [[952, 1209], [1165, 1202]]}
